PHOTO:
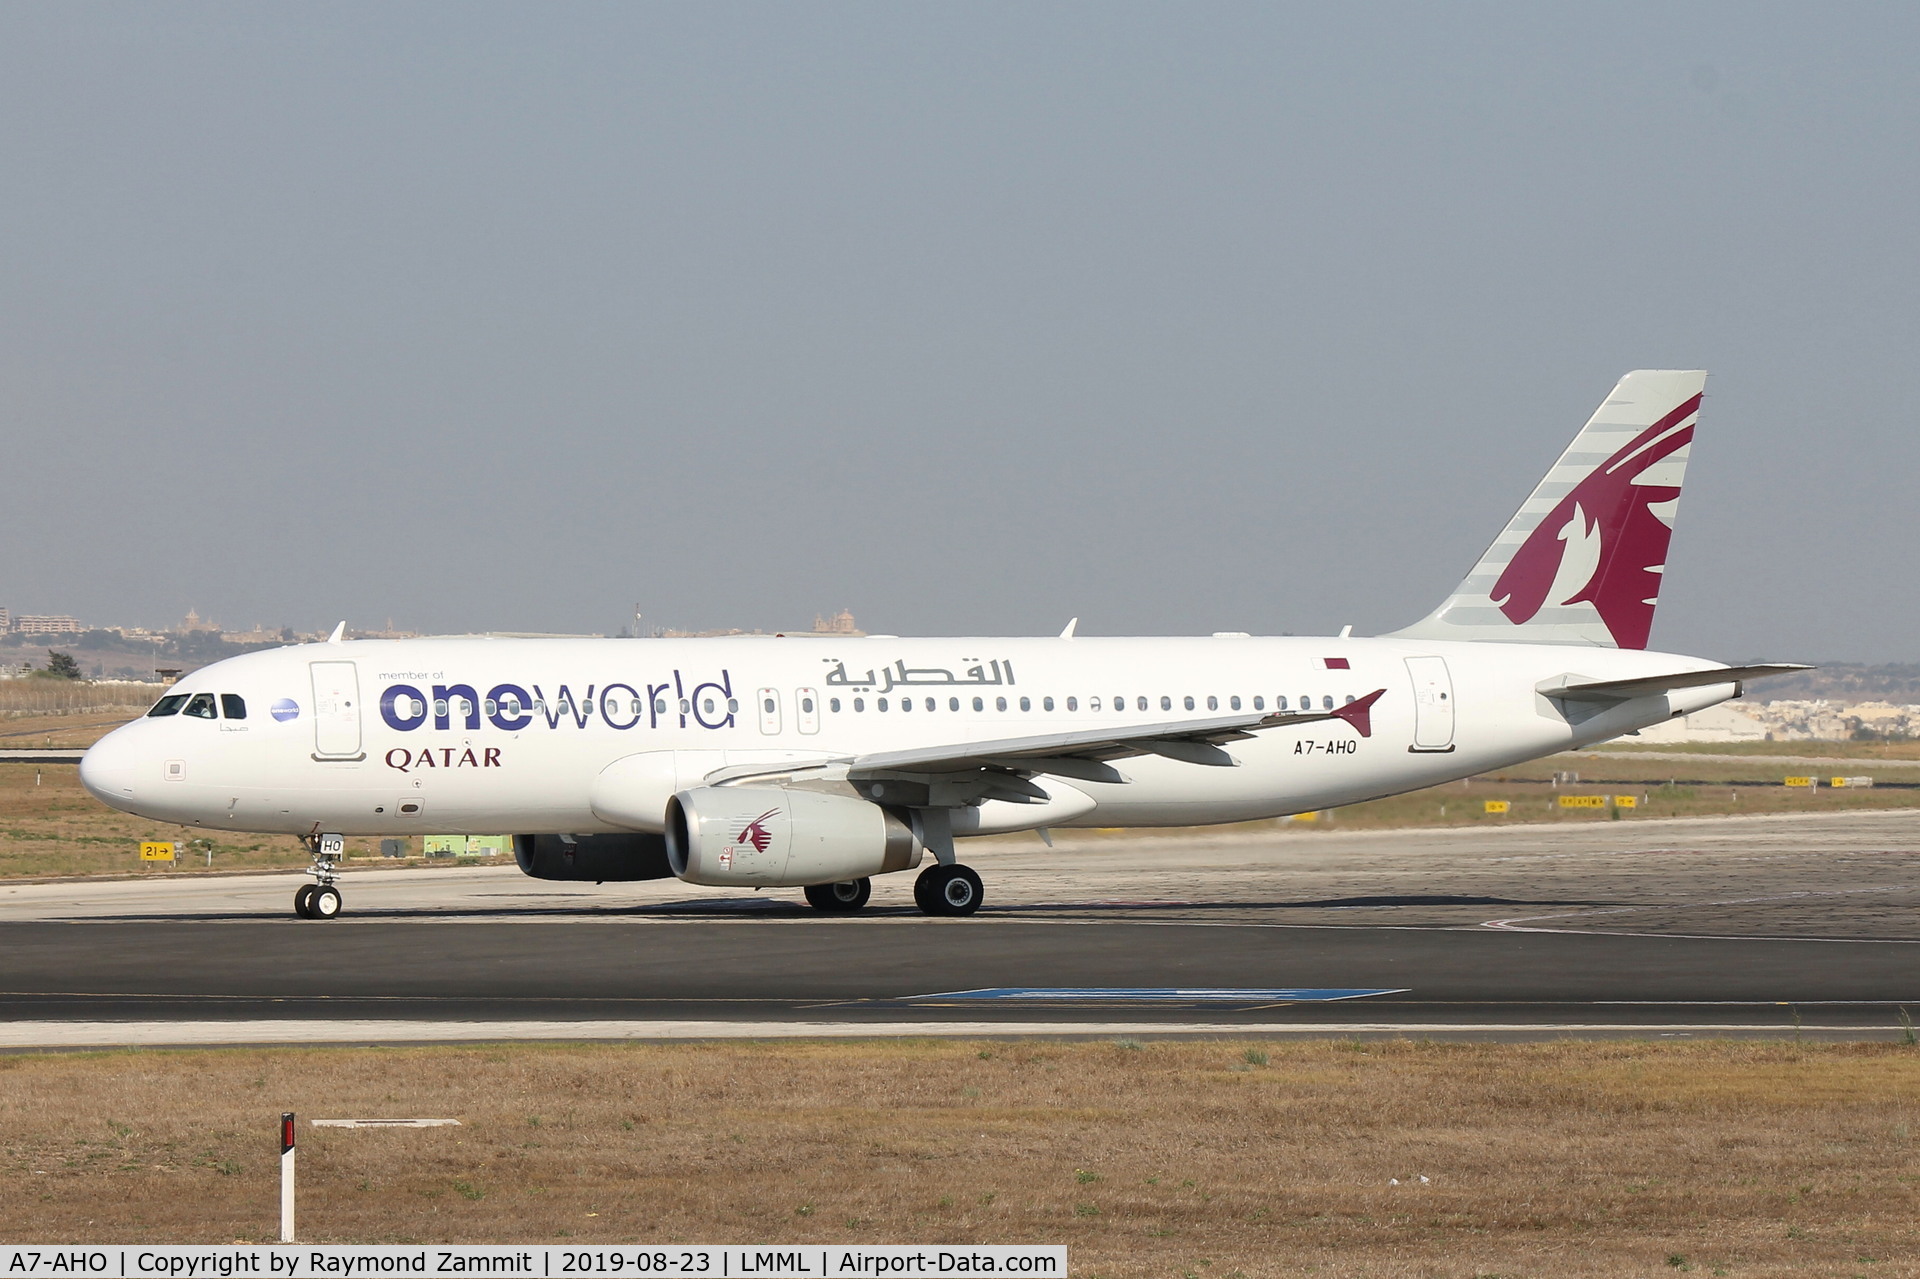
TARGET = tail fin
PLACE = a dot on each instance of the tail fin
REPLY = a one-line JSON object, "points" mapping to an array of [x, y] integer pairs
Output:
{"points": [[1580, 562]]}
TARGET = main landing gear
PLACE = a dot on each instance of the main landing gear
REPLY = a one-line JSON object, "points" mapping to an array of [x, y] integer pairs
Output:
{"points": [[321, 900], [942, 889], [839, 899], [947, 888]]}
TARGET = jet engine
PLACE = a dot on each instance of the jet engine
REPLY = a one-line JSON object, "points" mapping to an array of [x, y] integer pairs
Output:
{"points": [[782, 837], [598, 858]]}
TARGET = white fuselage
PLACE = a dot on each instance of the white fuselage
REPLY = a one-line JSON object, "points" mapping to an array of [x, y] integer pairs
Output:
{"points": [[497, 735]]}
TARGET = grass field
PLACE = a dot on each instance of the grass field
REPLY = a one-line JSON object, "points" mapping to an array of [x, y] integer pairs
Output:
{"points": [[49, 825], [1208, 1159], [1823, 750]]}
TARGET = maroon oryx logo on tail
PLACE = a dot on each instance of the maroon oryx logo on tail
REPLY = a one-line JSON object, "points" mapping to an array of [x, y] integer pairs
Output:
{"points": [[1604, 543], [756, 833]]}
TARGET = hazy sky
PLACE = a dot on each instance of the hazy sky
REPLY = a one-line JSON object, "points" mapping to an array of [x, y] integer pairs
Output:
{"points": [[970, 318]]}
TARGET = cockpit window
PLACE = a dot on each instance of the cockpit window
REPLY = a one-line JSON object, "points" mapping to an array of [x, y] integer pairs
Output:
{"points": [[233, 706], [201, 707], [168, 705]]}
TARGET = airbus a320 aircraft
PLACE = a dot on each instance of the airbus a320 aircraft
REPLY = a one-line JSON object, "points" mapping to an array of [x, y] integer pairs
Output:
{"points": [[769, 762]]}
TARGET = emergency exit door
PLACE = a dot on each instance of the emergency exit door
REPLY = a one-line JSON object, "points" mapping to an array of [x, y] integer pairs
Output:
{"points": [[336, 710], [1432, 704]]}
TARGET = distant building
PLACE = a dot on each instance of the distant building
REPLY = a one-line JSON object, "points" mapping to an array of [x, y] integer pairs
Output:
{"points": [[1722, 723], [48, 624], [840, 623], [6, 620]]}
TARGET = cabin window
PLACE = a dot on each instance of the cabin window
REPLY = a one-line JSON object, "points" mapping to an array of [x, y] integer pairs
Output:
{"points": [[660, 707], [1046, 703], [1141, 702], [1349, 700], [492, 707], [1259, 703], [806, 706], [999, 703], [1280, 703], [859, 703], [1326, 703], [880, 703], [1026, 703], [906, 703], [1189, 703], [200, 706], [953, 703], [1233, 703], [1213, 703], [979, 705], [733, 706], [1073, 703], [833, 704], [1166, 703], [933, 703], [1306, 701], [233, 706], [1093, 703], [766, 705], [440, 707], [168, 705], [1120, 704]]}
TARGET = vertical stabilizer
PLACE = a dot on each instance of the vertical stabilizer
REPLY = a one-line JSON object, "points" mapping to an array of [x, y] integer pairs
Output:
{"points": [[1581, 561]]}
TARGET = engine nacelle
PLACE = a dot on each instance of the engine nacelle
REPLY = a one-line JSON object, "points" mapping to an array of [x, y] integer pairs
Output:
{"points": [[776, 837], [596, 858]]}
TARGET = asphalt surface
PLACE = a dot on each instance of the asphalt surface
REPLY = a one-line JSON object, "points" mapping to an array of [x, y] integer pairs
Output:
{"points": [[1754, 924]]}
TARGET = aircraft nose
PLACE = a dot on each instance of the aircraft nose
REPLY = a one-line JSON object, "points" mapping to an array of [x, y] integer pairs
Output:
{"points": [[107, 771]]}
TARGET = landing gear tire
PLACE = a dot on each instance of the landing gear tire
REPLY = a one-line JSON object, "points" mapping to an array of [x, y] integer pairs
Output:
{"points": [[839, 899], [303, 900], [947, 890], [325, 902]]}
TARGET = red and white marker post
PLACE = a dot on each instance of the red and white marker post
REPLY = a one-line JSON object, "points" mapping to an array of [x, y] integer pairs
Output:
{"points": [[286, 1177]]}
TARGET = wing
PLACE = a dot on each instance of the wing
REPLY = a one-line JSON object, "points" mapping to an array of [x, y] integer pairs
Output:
{"points": [[966, 772]]}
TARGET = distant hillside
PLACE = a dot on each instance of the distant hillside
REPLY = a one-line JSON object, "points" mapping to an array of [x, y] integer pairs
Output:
{"points": [[1898, 683]]}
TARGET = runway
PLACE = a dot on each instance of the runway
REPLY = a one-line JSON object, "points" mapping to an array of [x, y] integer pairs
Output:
{"points": [[1747, 925]]}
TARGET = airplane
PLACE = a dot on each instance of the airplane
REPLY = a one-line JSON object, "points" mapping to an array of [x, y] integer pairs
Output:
{"points": [[819, 763]]}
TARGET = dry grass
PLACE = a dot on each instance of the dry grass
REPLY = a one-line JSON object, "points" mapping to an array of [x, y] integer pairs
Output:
{"points": [[1172, 1158], [53, 827], [19, 697], [49, 825]]}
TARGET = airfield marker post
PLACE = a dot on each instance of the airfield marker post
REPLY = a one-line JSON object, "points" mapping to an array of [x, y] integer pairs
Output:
{"points": [[286, 1177]]}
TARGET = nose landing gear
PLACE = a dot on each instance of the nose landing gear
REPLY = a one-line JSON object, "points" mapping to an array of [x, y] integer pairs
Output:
{"points": [[321, 900]]}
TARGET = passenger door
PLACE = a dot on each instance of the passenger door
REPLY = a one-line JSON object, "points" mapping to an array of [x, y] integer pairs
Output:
{"points": [[769, 707], [1432, 704], [806, 705], [336, 711]]}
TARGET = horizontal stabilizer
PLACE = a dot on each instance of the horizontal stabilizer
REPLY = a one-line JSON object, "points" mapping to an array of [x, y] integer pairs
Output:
{"points": [[1574, 688]]}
